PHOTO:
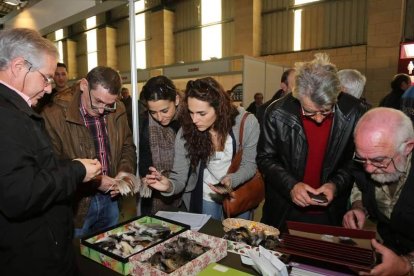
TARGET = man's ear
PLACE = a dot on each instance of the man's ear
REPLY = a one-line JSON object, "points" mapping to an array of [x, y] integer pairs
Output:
{"points": [[84, 87], [19, 64], [409, 147], [177, 100]]}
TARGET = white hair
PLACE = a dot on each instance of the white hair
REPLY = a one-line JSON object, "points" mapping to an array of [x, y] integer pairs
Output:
{"points": [[352, 81], [25, 43]]}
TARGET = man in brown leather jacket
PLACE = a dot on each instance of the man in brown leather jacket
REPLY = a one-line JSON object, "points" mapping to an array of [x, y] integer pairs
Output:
{"points": [[88, 121]]}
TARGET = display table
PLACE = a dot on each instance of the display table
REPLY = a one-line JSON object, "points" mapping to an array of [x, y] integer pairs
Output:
{"points": [[212, 227]]}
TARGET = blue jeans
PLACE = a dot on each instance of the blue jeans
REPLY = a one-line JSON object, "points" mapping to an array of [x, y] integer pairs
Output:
{"points": [[216, 211], [103, 212]]}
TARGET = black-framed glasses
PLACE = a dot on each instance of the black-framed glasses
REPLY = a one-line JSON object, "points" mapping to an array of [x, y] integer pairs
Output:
{"points": [[324, 113], [105, 107], [380, 162], [47, 79]]}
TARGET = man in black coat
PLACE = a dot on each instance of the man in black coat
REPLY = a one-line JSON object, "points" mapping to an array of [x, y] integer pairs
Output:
{"points": [[305, 148], [384, 142], [399, 84], [35, 189], [256, 104], [286, 83]]}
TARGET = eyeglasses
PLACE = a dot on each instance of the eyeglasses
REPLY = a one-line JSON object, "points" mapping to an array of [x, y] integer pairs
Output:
{"points": [[380, 162], [323, 113], [47, 79], [105, 107]]}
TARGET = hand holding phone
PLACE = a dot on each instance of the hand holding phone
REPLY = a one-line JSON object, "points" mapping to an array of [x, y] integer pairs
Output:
{"points": [[321, 198], [222, 188]]}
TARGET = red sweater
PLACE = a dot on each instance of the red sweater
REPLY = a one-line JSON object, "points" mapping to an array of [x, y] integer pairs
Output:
{"points": [[317, 136]]}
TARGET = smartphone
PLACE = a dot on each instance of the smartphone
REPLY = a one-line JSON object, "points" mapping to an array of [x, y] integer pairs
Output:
{"points": [[223, 188], [321, 198]]}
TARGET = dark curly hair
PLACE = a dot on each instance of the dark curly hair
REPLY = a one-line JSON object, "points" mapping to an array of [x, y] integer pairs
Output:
{"points": [[199, 143]]}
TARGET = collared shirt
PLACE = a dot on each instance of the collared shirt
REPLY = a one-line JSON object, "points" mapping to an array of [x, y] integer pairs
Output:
{"points": [[24, 96], [99, 131], [384, 198]]}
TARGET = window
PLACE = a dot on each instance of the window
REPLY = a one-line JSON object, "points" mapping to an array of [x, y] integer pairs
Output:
{"points": [[301, 2], [91, 43], [59, 44], [59, 34], [297, 35], [140, 44], [211, 42], [297, 31], [298, 25]]}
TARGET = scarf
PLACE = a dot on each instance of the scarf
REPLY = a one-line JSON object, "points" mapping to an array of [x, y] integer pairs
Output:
{"points": [[161, 140]]}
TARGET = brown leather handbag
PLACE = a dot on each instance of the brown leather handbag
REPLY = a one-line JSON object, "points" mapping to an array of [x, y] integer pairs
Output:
{"points": [[247, 195]]}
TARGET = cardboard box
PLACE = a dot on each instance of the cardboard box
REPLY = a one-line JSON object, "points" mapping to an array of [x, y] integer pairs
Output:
{"points": [[217, 251], [122, 264]]}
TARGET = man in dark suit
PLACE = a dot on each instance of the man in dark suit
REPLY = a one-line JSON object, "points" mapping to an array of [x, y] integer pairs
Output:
{"points": [[255, 105], [35, 189]]}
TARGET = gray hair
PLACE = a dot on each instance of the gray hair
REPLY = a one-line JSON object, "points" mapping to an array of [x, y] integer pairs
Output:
{"points": [[352, 81], [404, 131], [318, 80], [25, 43]]}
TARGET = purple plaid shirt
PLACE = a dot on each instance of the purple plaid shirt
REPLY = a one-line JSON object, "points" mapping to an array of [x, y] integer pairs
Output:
{"points": [[99, 131]]}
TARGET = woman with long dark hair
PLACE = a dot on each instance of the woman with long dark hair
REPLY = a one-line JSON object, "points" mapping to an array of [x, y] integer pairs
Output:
{"points": [[204, 149], [158, 128]]}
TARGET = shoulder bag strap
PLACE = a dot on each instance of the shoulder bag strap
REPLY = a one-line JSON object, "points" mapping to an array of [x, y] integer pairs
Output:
{"points": [[241, 130], [237, 156]]}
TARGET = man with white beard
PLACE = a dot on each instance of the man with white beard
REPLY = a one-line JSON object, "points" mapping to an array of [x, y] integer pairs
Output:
{"points": [[384, 141]]}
